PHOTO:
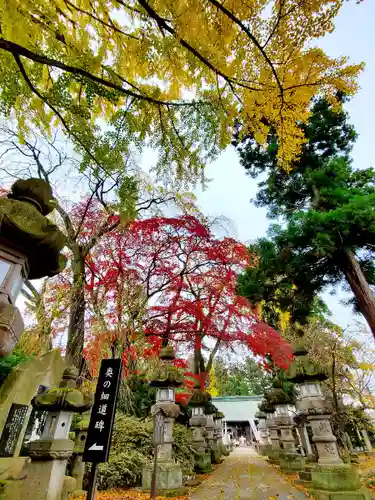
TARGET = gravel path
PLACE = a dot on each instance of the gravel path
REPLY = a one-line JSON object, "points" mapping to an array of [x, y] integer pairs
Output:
{"points": [[244, 475]]}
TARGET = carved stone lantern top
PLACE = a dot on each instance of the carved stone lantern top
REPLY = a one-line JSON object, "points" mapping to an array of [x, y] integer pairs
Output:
{"points": [[199, 398], [302, 369], [64, 398], [277, 395], [167, 375], [25, 227]]}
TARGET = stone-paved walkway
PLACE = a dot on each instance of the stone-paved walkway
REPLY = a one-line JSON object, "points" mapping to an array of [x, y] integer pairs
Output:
{"points": [[244, 475]]}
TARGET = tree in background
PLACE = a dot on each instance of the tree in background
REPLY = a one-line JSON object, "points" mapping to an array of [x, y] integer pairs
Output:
{"points": [[172, 76], [272, 291], [328, 208], [238, 377]]}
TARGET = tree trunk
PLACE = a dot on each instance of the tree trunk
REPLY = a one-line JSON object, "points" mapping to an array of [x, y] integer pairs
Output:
{"points": [[76, 327], [360, 288]]}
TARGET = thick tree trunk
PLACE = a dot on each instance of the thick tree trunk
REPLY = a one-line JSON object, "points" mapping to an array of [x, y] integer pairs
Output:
{"points": [[360, 288], [76, 328]]}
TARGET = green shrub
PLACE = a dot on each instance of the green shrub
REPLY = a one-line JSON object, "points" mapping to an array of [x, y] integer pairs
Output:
{"points": [[123, 469], [9, 362], [182, 450], [136, 396], [132, 448]]}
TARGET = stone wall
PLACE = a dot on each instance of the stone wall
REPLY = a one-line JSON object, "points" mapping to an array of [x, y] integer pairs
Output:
{"points": [[20, 387]]}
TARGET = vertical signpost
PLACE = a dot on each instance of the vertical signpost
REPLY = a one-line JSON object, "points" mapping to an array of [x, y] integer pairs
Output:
{"points": [[12, 429], [99, 435], [158, 439]]}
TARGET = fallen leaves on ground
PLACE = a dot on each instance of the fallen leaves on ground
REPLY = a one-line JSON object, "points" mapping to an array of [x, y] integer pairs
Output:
{"points": [[367, 471], [292, 478], [128, 495]]}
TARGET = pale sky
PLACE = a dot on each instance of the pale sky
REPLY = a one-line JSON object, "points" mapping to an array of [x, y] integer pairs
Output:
{"points": [[230, 190]]}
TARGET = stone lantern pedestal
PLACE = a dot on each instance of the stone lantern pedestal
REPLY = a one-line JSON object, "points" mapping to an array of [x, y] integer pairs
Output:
{"points": [[216, 456], [289, 459], [197, 422], [331, 479], [272, 430], [78, 469], [264, 444], [212, 449], [168, 472], [45, 473]]}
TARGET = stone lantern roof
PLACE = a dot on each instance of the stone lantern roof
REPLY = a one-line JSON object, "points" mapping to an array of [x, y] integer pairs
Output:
{"points": [[266, 406], [210, 408], [25, 227], [199, 397], [218, 415], [64, 398], [277, 395], [167, 375], [260, 414], [302, 369]]}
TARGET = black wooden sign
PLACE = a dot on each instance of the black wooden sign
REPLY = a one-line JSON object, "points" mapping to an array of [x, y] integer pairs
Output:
{"points": [[103, 412], [12, 429]]}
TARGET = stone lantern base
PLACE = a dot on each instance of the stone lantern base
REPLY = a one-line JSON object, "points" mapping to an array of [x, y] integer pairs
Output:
{"points": [[291, 462], [168, 478], [337, 482], [216, 453], [202, 463], [223, 449], [265, 449], [45, 473]]}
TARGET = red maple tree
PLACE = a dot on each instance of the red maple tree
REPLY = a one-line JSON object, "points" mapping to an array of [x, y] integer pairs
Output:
{"points": [[172, 279]]}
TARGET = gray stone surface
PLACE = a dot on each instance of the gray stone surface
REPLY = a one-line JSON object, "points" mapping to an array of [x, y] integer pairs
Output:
{"points": [[244, 475]]}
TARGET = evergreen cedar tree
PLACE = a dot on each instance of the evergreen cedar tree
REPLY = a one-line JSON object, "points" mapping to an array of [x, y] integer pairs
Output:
{"points": [[170, 75], [184, 280], [328, 209]]}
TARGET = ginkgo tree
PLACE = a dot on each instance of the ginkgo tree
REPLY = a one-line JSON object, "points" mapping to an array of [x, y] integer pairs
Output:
{"points": [[174, 75]]}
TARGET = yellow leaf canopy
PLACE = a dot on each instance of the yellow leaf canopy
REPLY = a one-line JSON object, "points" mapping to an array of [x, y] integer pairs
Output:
{"points": [[171, 74]]}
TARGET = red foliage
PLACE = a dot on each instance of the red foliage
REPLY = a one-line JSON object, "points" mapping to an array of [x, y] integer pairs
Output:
{"points": [[183, 398], [168, 277], [187, 278]]}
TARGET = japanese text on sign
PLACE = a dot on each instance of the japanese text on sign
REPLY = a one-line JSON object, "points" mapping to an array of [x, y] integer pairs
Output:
{"points": [[102, 415]]}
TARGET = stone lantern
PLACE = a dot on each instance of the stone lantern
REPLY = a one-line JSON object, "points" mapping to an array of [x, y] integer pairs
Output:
{"points": [[49, 455], [330, 477], [78, 470], [30, 247], [197, 422], [274, 449], [290, 460], [218, 419], [209, 412], [213, 436], [264, 444], [166, 379]]}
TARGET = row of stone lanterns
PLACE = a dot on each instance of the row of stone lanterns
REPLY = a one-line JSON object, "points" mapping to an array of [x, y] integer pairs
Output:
{"points": [[205, 425], [325, 475]]}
